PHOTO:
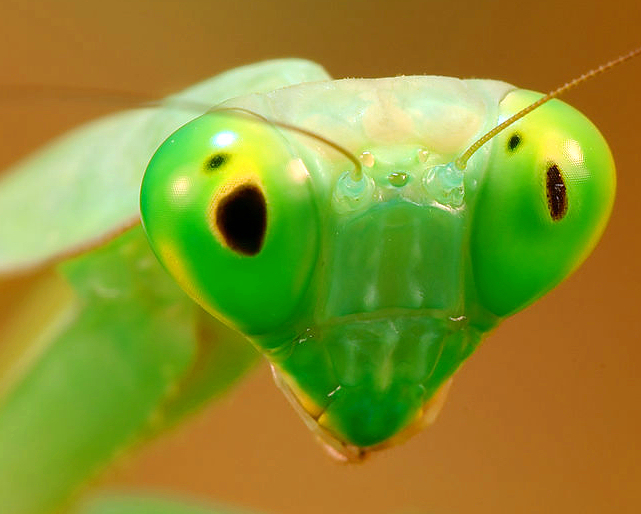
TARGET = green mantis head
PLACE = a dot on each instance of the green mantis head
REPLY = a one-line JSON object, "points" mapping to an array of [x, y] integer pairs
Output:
{"points": [[367, 297]]}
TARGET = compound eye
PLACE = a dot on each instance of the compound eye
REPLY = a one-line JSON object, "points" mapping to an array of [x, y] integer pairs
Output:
{"points": [[241, 219], [233, 220], [556, 193]]}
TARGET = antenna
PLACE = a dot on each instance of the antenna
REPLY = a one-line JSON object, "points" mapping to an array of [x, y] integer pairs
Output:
{"points": [[461, 162]]}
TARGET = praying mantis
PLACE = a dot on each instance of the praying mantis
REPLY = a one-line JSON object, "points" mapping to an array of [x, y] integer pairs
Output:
{"points": [[125, 344]]}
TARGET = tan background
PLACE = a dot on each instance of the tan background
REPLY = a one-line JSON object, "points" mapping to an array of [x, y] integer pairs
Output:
{"points": [[546, 416]]}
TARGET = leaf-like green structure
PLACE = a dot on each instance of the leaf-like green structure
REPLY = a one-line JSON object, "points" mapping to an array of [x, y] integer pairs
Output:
{"points": [[83, 187], [128, 355]]}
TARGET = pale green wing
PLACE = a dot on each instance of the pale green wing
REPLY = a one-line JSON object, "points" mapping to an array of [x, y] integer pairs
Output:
{"points": [[115, 363], [83, 187]]}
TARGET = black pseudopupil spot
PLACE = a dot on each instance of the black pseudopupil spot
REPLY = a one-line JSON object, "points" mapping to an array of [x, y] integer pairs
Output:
{"points": [[216, 161], [241, 218], [557, 197], [513, 142]]}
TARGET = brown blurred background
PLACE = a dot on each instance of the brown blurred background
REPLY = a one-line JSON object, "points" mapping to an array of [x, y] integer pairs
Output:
{"points": [[545, 417]]}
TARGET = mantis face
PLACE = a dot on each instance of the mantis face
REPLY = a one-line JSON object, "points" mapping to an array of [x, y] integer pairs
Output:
{"points": [[367, 292]]}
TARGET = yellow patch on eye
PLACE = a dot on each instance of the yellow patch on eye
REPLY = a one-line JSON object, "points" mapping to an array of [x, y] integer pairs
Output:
{"points": [[234, 182], [172, 260]]}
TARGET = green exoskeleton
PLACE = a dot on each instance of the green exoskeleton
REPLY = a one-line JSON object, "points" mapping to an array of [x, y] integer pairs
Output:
{"points": [[367, 287], [341, 226]]}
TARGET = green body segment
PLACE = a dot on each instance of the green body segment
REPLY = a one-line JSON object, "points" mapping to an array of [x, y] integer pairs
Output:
{"points": [[381, 284], [128, 356]]}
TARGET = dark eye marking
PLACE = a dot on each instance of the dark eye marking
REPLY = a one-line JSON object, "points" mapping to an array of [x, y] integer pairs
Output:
{"points": [[241, 218], [557, 196], [216, 161], [513, 142]]}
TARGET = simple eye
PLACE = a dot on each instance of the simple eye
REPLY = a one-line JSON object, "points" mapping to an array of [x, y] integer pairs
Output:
{"points": [[241, 218], [557, 197], [513, 142], [216, 161]]}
